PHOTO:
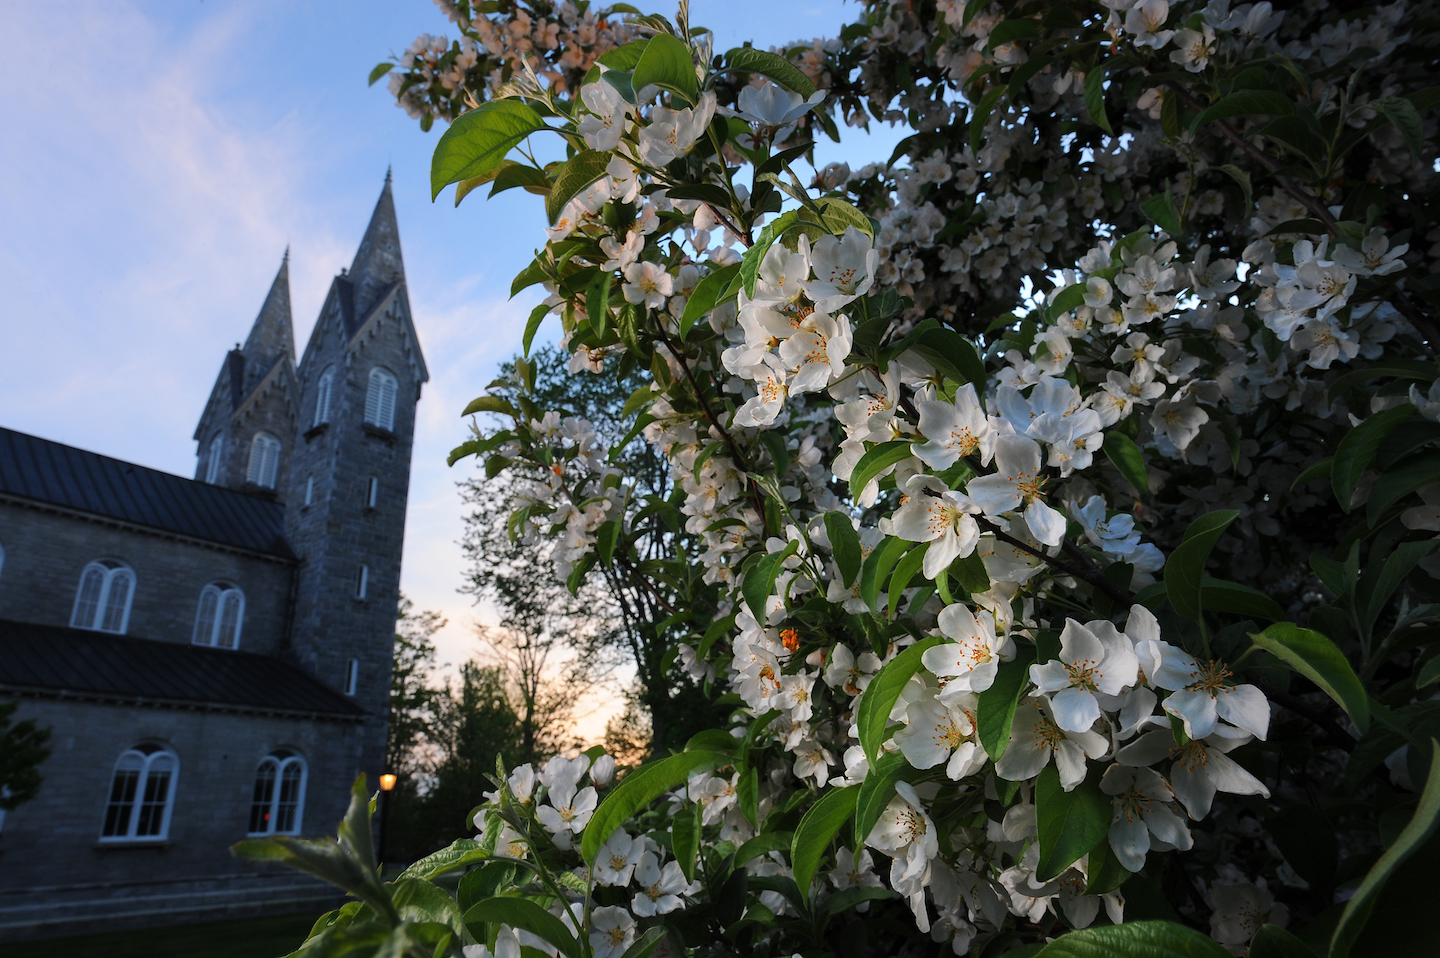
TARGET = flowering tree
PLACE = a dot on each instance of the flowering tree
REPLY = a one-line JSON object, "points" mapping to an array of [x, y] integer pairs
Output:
{"points": [[1053, 506]]}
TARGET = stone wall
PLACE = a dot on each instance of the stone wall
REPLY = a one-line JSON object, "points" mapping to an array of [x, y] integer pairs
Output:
{"points": [[55, 870], [45, 553]]}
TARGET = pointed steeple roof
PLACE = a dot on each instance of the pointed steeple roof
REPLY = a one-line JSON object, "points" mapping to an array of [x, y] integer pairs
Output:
{"points": [[273, 335], [377, 262]]}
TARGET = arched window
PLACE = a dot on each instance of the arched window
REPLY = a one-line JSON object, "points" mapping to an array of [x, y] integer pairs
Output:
{"points": [[264, 460], [279, 803], [103, 602], [322, 396], [222, 612], [142, 795], [380, 399], [213, 455]]}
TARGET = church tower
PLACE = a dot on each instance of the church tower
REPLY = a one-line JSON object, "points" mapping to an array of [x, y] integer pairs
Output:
{"points": [[348, 476], [246, 433]]}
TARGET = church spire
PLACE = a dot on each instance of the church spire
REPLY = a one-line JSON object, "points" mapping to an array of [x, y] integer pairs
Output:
{"points": [[273, 334], [377, 262]]}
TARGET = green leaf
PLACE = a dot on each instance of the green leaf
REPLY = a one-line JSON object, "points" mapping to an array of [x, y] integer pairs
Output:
{"points": [[1272, 941], [666, 63], [846, 899], [981, 116], [763, 845], [905, 570], [1067, 299], [1161, 210], [877, 566], [1008, 31], [490, 404], [1429, 673], [685, 835], [1402, 113], [772, 65], [821, 823], [1223, 596], [418, 900], [574, 178], [995, 713], [837, 214], [537, 316], [1317, 658], [1358, 448], [646, 943], [597, 302], [845, 544], [478, 140], [953, 355], [607, 537], [527, 916], [1417, 833], [873, 714], [1095, 96], [1317, 470], [638, 789], [769, 233], [760, 579], [1068, 825], [1243, 180], [875, 461], [1135, 939], [380, 70], [461, 853], [1107, 874], [1399, 481], [1376, 588], [876, 791], [1245, 103], [1185, 569], [527, 277], [707, 296], [1127, 457]]}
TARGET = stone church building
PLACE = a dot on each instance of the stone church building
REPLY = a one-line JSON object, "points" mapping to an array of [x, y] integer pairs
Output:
{"points": [[213, 654]]}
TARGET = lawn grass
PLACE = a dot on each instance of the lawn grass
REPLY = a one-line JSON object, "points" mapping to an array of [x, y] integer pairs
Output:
{"points": [[267, 937]]}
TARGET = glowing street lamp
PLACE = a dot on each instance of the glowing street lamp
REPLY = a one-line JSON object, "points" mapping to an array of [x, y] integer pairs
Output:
{"points": [[387, 784]]}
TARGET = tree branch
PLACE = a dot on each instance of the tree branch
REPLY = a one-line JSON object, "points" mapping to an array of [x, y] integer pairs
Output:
{"points": [[1422, 323], [1096, 579]]}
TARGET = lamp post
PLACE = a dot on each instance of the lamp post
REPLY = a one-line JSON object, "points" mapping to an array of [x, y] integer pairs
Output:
{"points": [[387, 784]]}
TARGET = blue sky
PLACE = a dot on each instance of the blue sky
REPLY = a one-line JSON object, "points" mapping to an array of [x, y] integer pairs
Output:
{"points": [[158, 158]]}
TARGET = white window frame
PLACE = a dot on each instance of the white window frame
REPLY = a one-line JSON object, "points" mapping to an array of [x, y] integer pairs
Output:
{"points": [[280, 760], [110, 571], [324, 391], [352, 676], [372, 492], [146, 755], [210, 633], [380, 399], [264, 467], [362, 582], [213, 455]]}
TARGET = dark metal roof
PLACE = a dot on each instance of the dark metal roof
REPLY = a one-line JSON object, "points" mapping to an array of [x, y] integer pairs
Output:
{"points": [[50, 660], [61, 475]]}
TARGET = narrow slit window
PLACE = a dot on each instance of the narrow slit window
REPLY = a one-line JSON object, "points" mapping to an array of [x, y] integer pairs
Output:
{"points": [[362, 582], [372, 492], [322, 396], [309, 490], [352, 676], [212, 459]]}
